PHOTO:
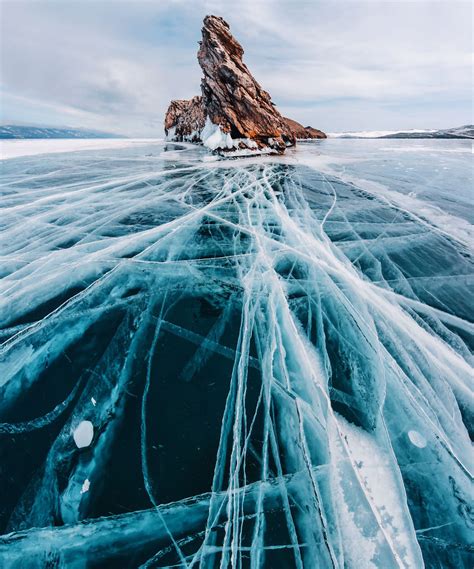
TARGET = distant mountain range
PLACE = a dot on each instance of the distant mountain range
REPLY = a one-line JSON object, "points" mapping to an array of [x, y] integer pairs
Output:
{"points": [[466, 131], [28, 132], [31, 132]]}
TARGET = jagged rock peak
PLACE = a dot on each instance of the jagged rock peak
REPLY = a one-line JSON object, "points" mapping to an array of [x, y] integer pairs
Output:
{"points": [[234, 111], [232, 97]]}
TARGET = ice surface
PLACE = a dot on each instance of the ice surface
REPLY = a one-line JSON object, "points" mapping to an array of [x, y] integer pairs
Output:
{"points": [[265, 362], [17, 148]]}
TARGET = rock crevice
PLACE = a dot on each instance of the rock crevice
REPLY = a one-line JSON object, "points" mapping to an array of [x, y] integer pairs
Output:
{"points": [[234, 112]]}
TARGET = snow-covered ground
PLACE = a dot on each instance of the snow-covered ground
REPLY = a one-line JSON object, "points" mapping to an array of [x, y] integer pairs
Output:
{"points": [[16, 148]]}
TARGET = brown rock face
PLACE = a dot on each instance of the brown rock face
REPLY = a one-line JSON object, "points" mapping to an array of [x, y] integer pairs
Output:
{"points": [[234, 112], [185, 119], [232, 98], [303, 132]]}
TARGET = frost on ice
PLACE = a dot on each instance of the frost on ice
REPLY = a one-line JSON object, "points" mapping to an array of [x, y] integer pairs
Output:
{"points": [[273, 360]]}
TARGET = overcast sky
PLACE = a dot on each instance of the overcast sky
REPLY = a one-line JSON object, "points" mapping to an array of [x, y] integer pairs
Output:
{"points": [[334, 64]]}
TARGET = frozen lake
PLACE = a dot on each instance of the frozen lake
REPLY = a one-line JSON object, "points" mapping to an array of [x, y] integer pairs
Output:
{"points": [[253, 363]]}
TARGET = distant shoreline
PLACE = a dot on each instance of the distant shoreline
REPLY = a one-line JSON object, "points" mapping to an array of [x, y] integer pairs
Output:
{"points": [[458, 133], [31, 132], [16, 148]]}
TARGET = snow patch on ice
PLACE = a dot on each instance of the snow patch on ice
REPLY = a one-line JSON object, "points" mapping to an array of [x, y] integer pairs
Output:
{"points": [[377, 476], [417, 439], [83, 434], [85, 486], [351, 532]]}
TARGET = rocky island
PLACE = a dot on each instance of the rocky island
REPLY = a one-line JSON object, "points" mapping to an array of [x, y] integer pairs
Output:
{"points": [[233, 114]]}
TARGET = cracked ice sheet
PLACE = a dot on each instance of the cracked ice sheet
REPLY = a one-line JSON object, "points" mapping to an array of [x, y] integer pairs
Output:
{"points": [[273, 354]]}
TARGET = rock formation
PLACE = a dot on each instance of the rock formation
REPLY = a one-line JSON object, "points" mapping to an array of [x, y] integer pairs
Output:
{"points": [[303, 132], [185, 119], [234, 112]]}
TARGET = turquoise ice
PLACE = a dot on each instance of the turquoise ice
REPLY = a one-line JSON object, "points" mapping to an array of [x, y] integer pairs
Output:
{"points": [[266, 362]]}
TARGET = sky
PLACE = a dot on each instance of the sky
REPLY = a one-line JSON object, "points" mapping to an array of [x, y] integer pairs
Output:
{"points": [[337, 65]]}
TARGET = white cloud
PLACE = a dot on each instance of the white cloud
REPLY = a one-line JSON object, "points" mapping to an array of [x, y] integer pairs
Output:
{"points": [[116, 64]]}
